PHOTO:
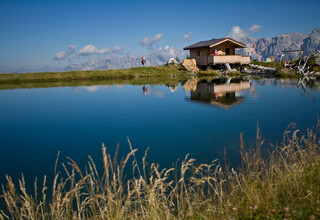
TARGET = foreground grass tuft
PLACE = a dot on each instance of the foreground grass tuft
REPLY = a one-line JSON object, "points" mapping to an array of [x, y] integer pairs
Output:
{"points": [[285, 185]]}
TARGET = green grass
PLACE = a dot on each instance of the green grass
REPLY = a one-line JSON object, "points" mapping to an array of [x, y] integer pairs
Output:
{"points": [[316, 68], [161, 73], [269, 64], [287, 74], [284, 185]]}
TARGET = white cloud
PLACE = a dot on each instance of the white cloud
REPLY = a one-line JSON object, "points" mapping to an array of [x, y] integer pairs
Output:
{"points": [[64, 54], [103, 50], [254, 28], [72, 47], [237, 33], [117, 48], [155, 38], [61, 55], [144, 41], [188, 36], [91, 49], [149, 42], [87, 50]]}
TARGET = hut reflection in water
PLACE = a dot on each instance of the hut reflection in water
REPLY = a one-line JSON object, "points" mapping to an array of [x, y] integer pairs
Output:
{"points": [[222, 93]]}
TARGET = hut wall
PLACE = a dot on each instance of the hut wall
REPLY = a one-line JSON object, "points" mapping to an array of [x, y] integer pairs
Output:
{"points": [[200, 55]]}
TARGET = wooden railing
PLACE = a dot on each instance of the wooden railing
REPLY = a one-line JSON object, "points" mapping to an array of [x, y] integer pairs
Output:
{"points": [[212, 60]]}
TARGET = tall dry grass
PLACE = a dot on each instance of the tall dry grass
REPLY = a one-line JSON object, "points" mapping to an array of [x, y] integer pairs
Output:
{"points": [[284, 185]]}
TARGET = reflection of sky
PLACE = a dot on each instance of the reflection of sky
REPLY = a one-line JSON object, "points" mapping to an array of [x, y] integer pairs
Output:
{"points": [[155, 90], [93, 88], [36, 123]]}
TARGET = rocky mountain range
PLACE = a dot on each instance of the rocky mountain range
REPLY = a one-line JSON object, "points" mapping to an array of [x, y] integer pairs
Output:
{"points": [[266, 47], [156, 57]]}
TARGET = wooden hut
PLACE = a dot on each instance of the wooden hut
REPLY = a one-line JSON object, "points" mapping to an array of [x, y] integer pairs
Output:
{"points": [[217, 51]]}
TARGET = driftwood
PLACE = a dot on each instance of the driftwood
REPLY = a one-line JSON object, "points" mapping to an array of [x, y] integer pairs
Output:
{"points": [[228, 68], [301, 65], [303, 68], [270, 69], [303, 84], [260, 70]]}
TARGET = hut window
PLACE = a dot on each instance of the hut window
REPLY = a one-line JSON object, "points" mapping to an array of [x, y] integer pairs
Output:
{"points": [[198, 53]]}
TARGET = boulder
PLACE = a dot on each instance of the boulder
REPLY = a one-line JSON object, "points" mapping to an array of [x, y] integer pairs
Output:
{"points": [[172, 62], [190, 65]]}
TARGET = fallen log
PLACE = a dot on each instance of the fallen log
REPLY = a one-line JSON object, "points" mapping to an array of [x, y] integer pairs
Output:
{"points": [[270, 69], [259, 70]]}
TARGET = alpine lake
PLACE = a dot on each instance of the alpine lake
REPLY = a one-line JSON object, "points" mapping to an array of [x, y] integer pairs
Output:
{"points": [[201, 118]]}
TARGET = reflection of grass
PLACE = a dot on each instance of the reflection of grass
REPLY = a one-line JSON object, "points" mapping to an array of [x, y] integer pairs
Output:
{"points": [[286, 185], [136, 81], [134, 76], [161, 73]]}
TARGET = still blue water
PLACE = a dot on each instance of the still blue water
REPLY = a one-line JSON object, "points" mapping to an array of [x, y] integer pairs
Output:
{"points": [[37, 123]]}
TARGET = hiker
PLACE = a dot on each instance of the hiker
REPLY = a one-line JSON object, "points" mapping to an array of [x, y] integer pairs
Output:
{"points": [[143, 60]]}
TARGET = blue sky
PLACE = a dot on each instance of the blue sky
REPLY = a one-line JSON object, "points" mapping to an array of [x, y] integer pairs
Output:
{"points": [[34, 31]]}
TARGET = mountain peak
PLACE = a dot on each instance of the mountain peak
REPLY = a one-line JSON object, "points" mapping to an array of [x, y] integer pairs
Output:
{"points": [[316, 31], [287, 41]]}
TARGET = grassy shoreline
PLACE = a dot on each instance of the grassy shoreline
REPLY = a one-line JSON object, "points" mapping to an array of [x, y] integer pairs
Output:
{"points": [[285, 185], [161, 73], [135, 76]]}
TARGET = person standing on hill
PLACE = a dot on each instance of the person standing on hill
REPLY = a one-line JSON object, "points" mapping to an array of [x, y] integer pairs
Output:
{"points": [[143, 60]]}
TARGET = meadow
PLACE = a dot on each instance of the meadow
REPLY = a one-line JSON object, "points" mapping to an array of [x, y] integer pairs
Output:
{"points": [[137, 74]]}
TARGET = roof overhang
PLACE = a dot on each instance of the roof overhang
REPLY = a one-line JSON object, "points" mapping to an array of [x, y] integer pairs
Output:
{"points": [[240, 45], [213, 43]]}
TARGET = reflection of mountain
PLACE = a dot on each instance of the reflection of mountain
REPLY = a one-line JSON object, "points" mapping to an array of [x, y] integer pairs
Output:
{"points": [[221, 94]]}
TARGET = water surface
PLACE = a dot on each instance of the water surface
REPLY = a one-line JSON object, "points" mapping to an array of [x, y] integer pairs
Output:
{"points": [[199, 118]]}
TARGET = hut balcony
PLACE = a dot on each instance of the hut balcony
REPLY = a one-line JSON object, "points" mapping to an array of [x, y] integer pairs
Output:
{"points": [[221, 59]]}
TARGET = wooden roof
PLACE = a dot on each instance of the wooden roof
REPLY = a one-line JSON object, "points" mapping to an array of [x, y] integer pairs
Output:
{"points": [[214, 42]]}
